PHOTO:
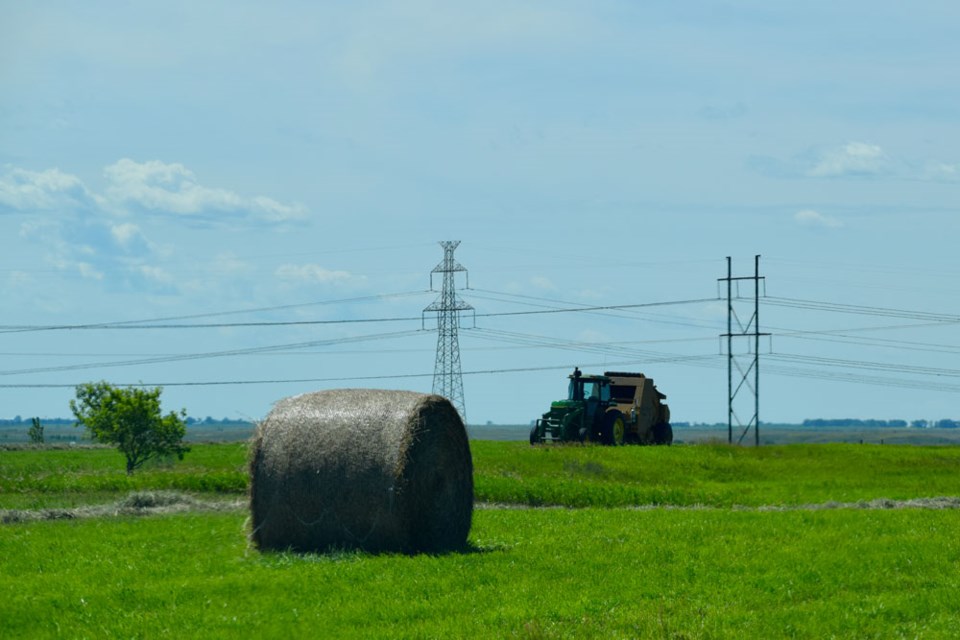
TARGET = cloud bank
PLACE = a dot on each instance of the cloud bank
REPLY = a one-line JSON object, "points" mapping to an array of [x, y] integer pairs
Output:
{"points": [[315, 274], [152, 187], [24, 190], [855, 160], [100, 236], [162, 188], [811, 218]]}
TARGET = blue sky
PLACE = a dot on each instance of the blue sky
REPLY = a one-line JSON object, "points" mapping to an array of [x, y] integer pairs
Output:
{"points": [[298, 162]]}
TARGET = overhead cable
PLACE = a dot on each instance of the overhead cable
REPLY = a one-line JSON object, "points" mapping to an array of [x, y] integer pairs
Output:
{"points": [[153, 323], [139, 324], [213, 354], [815, 305]]}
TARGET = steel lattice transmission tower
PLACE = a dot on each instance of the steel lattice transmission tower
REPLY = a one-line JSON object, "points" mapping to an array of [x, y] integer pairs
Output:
{"points": [[447, 375], [747, 364]]}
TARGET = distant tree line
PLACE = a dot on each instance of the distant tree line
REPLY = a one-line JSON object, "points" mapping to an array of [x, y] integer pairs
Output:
{"points": [[946, 423], [68, 422], [209, 420], [19, 422], [852, 422]]}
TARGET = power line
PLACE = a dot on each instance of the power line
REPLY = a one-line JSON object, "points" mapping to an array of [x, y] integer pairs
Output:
{"points": [[132, 324], [885, 312], [887, 343], [330, 379], [852, 370], [339, 352], [884, 268], [224, 325], [863, 364], [210, 354], [711, 361], [154, 322], [614, 349], [536, 301], [594, 308], [854, 378]]}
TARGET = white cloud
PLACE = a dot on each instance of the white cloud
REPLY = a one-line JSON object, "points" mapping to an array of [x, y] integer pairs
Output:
{"points": [[941, 172], [87, 270], [160, 187], [36, 229], [88, 233], [155, 274], [592, 294], [79, 232], [152, 186], [853, 158], [23, 190], [125, 233], [811, 218], [315, 274], [228, 263], [542, 282]]}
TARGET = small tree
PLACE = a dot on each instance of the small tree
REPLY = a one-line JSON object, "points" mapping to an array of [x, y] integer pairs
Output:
{"points": [[35, 431], [131, 419]]}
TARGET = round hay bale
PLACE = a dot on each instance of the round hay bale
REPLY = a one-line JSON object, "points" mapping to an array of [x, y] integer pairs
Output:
{"points": [[361, 469]]}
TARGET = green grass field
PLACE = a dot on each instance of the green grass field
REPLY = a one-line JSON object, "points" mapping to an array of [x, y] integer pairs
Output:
{"points": [[516, 473], [687, 564]]}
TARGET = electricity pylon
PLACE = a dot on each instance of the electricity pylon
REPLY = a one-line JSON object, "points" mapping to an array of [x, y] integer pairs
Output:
{"points": [[747, 364], [447, 375]]}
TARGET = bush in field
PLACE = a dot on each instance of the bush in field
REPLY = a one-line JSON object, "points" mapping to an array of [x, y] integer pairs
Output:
{"points": [[132, 420], [35, 431]]}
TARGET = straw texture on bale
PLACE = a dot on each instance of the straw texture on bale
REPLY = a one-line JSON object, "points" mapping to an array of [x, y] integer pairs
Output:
{"points": [[361, 469]]}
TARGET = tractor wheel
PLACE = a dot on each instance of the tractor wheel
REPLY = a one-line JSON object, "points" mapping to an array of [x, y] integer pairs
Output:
{"points": [[583, 435], [663, 433], [534, 435], [613, 429]]}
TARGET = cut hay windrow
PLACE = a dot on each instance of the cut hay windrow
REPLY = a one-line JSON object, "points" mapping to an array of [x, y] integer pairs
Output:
{"points": [[138, 503], [361, 469]]}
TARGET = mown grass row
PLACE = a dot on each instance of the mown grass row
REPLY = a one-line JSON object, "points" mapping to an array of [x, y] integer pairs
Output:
{"points": [[715, 475], [529, 574]]}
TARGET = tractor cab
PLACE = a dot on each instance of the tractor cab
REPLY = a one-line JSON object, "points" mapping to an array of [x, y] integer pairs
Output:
{"points": [[590, 392], [588, 388]]}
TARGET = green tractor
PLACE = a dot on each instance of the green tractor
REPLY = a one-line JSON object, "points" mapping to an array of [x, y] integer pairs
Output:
{"points": [[614, 409]]}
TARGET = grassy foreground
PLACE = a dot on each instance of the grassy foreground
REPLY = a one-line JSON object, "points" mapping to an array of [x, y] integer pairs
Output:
{"points": [[531, 574], [516, 473], [692, 567]]}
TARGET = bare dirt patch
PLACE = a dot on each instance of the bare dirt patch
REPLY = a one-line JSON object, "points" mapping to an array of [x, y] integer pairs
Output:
{"points": [[940, 502], [141, 503], [147, 503]]}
